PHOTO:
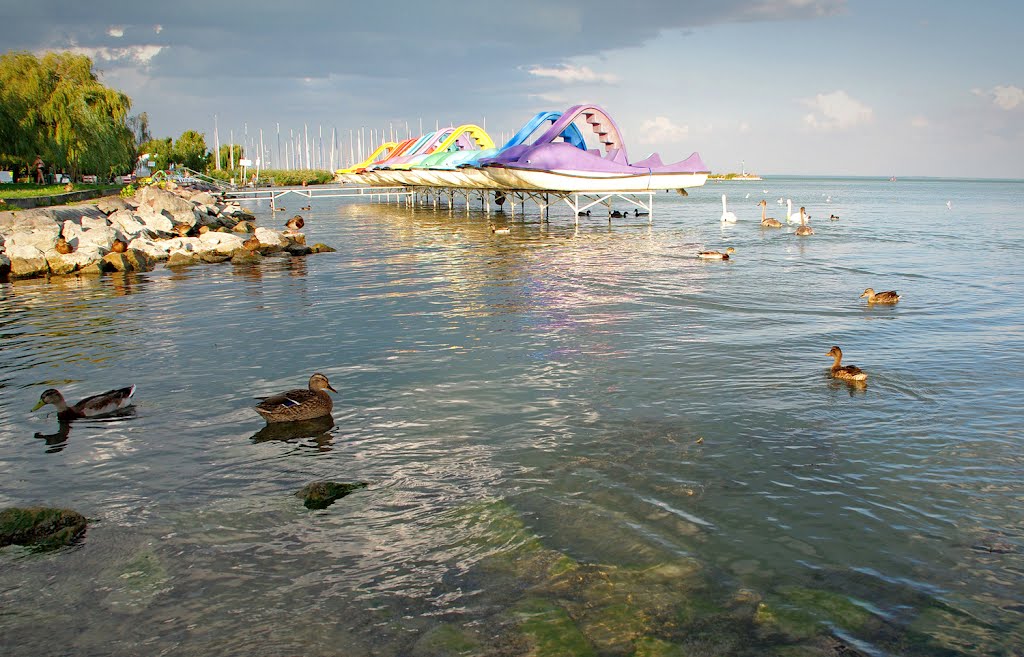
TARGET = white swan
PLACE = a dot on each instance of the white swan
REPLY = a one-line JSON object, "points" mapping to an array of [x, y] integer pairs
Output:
{"points": [[727, 217], [790, 217]]}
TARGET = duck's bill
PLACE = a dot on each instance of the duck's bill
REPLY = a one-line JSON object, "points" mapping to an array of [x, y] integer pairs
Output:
{"points": [[39, 404], [329, 387]]}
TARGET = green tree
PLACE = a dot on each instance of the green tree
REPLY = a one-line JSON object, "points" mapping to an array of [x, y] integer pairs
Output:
{"points": [[159, 150], [56, 107], [225, 155], [190, 150]]}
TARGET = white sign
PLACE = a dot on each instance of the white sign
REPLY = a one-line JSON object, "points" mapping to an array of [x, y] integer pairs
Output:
{"points": [[245, 163]]}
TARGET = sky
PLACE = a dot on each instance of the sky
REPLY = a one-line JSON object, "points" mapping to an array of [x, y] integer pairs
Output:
{"points": [[775, 87]]}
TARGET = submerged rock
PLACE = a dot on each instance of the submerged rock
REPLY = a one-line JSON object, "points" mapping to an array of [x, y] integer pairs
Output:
{"points": [[322, 494], [43, 528], [320, 247]]}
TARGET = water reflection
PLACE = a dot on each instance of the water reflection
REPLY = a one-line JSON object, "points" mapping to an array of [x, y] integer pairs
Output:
{"points": [[318, 429]]}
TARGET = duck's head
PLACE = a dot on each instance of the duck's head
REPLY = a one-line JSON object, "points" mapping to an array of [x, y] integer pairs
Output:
{"points": [[868, 292], [834, 352], [118, 246], [253, 243], [730, 251], [51, 396], [319, 382]]}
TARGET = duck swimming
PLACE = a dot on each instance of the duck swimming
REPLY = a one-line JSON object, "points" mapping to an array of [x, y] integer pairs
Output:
{"points": [[716, 255], [298, 405], [500, 231], [95, 406], [845, 372], [306, 207], [889, 296]]}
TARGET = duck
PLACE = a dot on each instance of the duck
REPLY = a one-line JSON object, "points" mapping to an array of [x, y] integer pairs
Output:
{"points": [[889, 296], [727, 217], [845, 372], [833, 217], [716, 255], [637, 213], [306, 207], [505, 230], [251, 244], [298, 405], [182, 229], [583, 214], [118, 246], [803, 229], [617, 215], [766, 221], [62, 246], [295, 223], [95, 406], [279, 208]]}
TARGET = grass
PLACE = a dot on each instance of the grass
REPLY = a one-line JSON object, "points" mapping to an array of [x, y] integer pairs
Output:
{"points": [[31, 190]]}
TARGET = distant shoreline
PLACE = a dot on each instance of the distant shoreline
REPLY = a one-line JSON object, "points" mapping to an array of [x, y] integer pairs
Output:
{"points": [[734, 176]]}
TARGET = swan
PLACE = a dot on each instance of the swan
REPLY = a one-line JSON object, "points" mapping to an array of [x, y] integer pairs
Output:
{"points": [[766, 221], [803, 229], [727, 217], [790, 217]]}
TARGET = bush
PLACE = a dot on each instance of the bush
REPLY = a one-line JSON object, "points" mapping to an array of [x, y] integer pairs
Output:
{"points": [[128, 191]]}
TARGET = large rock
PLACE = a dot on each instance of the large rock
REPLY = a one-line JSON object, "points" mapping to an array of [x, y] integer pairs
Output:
{"points": [[111, 204], [125, 221], [40, 527], [139, 260], [155, 220], [152, 249], [27, 261], [88, 223], [269, 237], [42, 238], [5, 265], [225, 243], [204, 198], [68, 263], [160, 200]]}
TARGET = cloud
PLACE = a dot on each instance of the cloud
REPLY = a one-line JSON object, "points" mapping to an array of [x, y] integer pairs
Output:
{"points": [[661, 130], [836, 111], [141, 55], [744, 127], [1005, 97], [115, 31], [919, 122], [569, 74]]}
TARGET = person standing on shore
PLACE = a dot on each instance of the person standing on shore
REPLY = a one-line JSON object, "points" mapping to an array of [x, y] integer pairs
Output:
{"points": [[38, 164]]}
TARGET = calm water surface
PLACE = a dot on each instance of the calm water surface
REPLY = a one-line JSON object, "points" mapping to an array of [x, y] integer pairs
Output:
{"points": [[597, 389]]}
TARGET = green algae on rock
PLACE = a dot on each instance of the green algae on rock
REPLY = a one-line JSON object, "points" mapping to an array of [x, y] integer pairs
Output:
{"points": [[41, 528], [322, 494]]}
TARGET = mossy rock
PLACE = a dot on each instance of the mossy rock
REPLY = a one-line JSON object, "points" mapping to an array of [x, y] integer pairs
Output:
{"points": [[803, 609], [653, 647], [136, 583], [41, 528], [322, 494], [298, 249], [446, 641], [182, 260], [550, 630], [213, 257], [246, 257], [320, 247]]}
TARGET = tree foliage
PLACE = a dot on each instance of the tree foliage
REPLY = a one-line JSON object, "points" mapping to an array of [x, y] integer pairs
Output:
{"points": [[57, 108], [190, 150], [161, 151]]}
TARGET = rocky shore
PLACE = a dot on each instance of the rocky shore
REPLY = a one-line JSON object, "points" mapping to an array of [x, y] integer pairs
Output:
{"points": [[177, 226]]}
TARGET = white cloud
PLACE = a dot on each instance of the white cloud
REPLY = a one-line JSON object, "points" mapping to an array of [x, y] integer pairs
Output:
{"points": [[919, 122], [115, 31], [568, 74], [661, 130], [1008, 97], [136, 54], [836, 111]]}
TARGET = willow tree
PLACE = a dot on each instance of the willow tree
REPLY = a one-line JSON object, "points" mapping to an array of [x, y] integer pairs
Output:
{"points": [[56, 107]]}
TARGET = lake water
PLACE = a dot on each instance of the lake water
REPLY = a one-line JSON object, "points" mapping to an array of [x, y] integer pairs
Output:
{"points": [[568, 434]]}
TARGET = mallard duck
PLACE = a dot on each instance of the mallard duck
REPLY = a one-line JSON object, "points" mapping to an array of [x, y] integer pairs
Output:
{"points": [[506, 230], [766, 221], [182, 229], [119, 246], [637, 213], [306, 207], [846, 372], [617, 215], [803, 229], [251, 244], [95, 406], [889, 296], [295, 223], [716, 255], [833, 217], [583, 214], [62, 246], [297, 405]]}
